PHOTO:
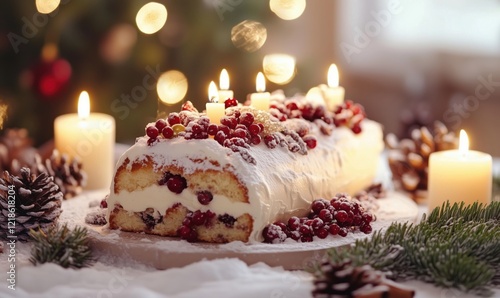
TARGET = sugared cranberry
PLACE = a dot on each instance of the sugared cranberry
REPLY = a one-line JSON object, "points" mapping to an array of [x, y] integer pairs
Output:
{"points": [[310, 141], [220, 137], [321, 233], [212, 129], [152, 132], [270, 141], [343, 232], [317, 206], [239, 133], [367, 217], [225, 129], [345, 206], [173, 118], [246, 118], [167, 132], [366, 228], [188, 106], [306, 238], [317, 223], [176, 184], [341, 216], [325, 215], [273, 234], [334, 229], [305, 230], [151, 142], [160, 124], [256, 139], [254, 129], [204, 197], [293, 223], [230, 122]]}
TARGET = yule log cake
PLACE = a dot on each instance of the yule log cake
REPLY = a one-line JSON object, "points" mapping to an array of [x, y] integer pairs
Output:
{"points": [[201, 181]]}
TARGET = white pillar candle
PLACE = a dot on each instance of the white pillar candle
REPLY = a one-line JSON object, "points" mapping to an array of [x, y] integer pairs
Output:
{"points": [[89, 137], [224, 92], [461, 175], [215, 110], [260, 100], [333, 94]]}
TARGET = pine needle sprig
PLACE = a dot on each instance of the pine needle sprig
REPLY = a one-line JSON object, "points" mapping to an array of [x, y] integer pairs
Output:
{"points": [[455, 246], [65, 247]]}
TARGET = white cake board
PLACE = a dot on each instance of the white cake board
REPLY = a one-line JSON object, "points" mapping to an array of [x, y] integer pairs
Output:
{"points": [[164, 252]]}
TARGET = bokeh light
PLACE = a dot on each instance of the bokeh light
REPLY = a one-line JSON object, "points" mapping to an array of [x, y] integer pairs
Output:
{"points": [[249, 35], [288, 9], [279, 68], [46, 6], [172, 86], [151, 17]]}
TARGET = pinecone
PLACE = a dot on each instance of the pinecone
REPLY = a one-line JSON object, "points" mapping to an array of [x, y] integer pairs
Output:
{"points": [[409, 158], [37, 203], [345, 280], [68, 174]]}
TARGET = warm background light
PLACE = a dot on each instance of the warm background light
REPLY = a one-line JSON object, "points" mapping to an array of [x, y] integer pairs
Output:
{"points": [[83, 105], [288, 9], [213, 95], [463, 145], [260, 82], [46, 6], [172, 86], [333, 76], [224, 80], [151, 17], [249, 35], [279, 68]]}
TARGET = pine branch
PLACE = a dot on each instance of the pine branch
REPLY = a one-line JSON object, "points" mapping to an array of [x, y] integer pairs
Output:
{"points": [[61, 246], [455, 246]]}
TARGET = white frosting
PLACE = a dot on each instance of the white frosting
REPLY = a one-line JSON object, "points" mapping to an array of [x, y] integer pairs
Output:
{"points": [[280, 184]]}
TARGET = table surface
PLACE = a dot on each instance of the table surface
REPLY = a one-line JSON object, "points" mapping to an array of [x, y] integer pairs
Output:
{"points": [[118, 277]]}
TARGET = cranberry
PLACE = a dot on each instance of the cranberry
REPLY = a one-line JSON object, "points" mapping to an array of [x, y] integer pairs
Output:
{"points": [[357, 220], [167, 132], [295, 235], [270, 141], [310, 141], [322, 233], [334, 229], [176, 184], [341, 216], [160, 124], [282, 226], [306, 238], [254, 129], [366, 228], [317, 206], [317, 223], [204, 197], [325, 215], [173, 118], [220, 137], [151, 142], [230, 102], [345, 206], [183, 231], [239, 133], [367, 217], [103, 204], [229, 121], [356, 129], [256, 139], [188, 106], [273, 233], [196, 128], [152, 132], [291, 105], [246, 118], [305, 230], [343, 232], [212, 129], [293, 223], [226, 130], [199, 218]]}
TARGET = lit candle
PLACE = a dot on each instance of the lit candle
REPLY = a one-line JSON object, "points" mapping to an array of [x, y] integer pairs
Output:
{"points": [[461, 175], [261, 99], [215, 110], [89, 137], [333, 94], [224, 92]]}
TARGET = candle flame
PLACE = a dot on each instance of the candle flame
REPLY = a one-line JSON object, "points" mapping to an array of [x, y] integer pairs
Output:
{"points": [[463, 146], [213, 94], [333, 76], [260, 82], [224, 80], [84, 105]]}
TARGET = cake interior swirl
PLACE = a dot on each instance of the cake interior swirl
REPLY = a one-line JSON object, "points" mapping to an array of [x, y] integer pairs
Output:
{"points": [[191, 178]]}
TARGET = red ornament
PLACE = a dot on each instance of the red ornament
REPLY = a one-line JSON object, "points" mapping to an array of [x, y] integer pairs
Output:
{"points": [[49, 78]]}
